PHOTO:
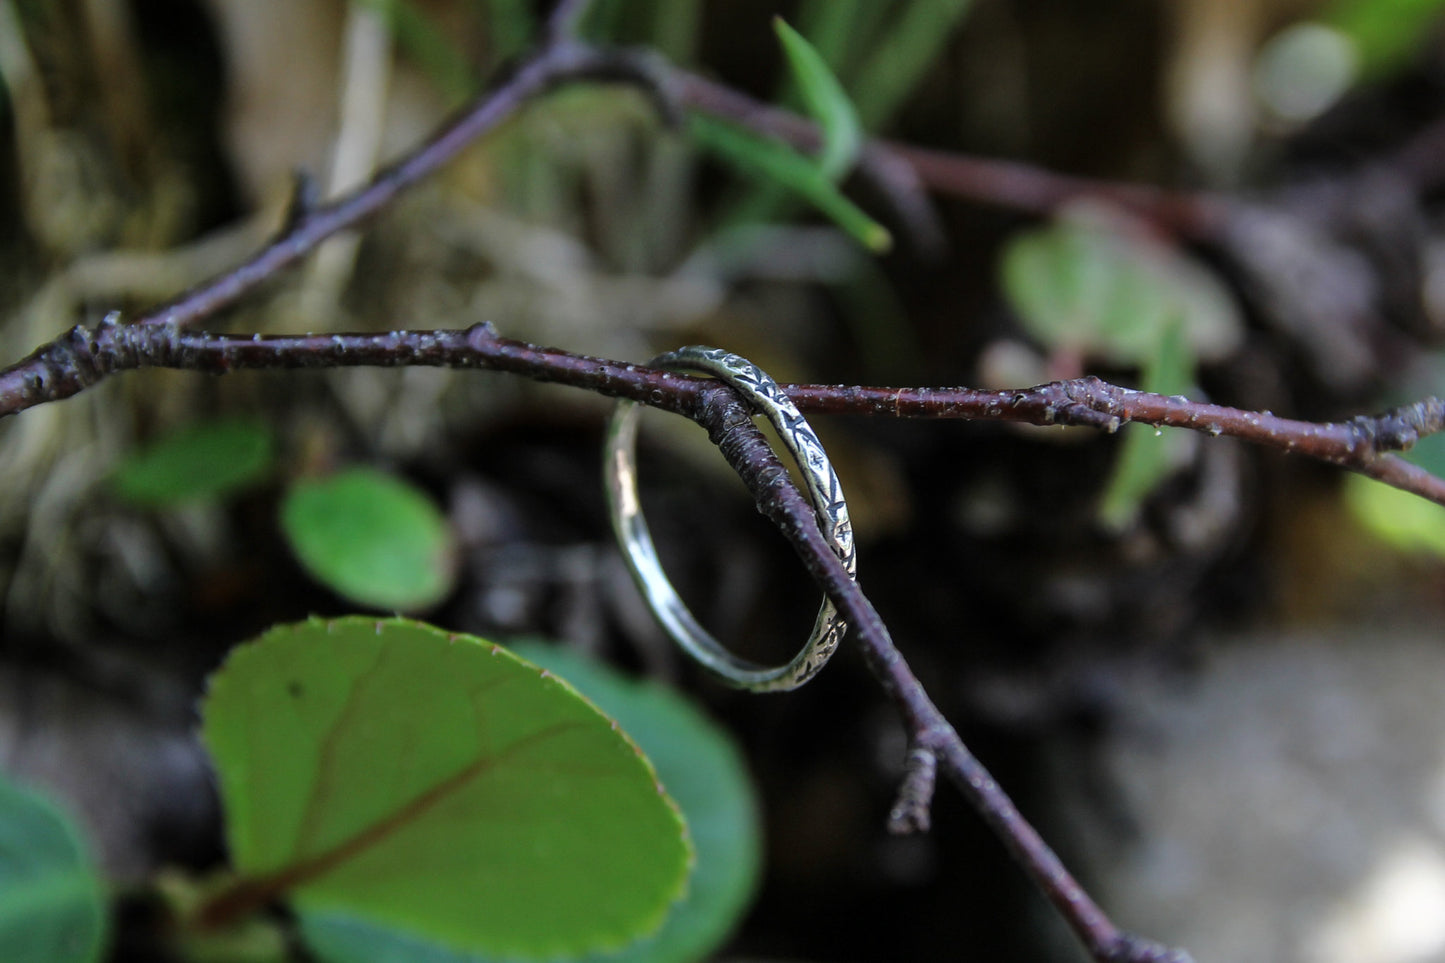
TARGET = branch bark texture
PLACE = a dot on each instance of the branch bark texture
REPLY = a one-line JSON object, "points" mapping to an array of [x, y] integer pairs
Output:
{"points": [[84, 356], [162, 338]]}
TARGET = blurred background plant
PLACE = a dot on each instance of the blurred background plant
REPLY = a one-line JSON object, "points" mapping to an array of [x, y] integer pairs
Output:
{"points": [[1041, 579]]}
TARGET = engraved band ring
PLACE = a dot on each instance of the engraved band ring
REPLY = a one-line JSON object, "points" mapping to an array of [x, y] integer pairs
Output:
{"points": [[765, 397]]}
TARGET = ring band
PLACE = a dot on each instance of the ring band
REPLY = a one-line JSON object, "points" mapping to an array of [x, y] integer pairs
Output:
{"points": [[764, 395]]}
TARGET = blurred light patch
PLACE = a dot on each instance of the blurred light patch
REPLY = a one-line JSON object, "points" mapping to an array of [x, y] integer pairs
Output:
{"points": [[1303, 70], [1396, 916]]}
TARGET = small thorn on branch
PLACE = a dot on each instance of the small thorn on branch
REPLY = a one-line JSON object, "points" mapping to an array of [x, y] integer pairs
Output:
{"points": [[910, 813], [481, 333], [305, 198]]}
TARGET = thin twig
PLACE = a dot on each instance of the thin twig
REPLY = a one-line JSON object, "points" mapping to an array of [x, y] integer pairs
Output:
{"points": [[1023, 187], [997, 183], [84, 356], [911, 810], [729, 425], [309, 226]]}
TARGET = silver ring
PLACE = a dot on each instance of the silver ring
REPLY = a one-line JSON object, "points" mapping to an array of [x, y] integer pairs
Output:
{"points": [[764, 395]]}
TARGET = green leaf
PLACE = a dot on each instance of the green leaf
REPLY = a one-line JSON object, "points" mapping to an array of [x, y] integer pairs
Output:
{"points": [[701, 769], [900, 58], [829, 105], [373, 538], [342, 938], [433, 784], [1147, 455], [1429, 452], [777, 162], [705, 773], [845, 33], [200, 462], [1405, 521], [1083, 285], [841, 31], [52, 904], [1385, 32]]}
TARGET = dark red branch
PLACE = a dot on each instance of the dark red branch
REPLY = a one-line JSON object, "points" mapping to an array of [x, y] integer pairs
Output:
{"points": [[159, 338], [84, 356], [1024, 187], [729, 424], [997, 183]]}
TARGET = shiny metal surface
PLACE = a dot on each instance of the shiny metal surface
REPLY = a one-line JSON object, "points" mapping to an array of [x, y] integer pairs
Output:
{"points": [[636, 540]]}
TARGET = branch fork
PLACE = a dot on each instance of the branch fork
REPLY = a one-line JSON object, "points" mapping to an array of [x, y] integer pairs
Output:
{"points": [[160, 338]]}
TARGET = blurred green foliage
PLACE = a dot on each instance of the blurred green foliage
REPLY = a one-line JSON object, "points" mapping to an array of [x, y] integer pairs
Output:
{"points": [[1094, 287], [52, 907], [1385, 33], [199, 462]]}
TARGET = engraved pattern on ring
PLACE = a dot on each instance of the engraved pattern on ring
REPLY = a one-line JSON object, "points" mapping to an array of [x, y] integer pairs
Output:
{"points": [[824, 490]]}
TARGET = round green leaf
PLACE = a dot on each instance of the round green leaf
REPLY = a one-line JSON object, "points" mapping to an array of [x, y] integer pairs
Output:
{"points": [[701, 769], [200, 462], [1083, 285], [373, 538], [52, 907], [437, 785]]}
